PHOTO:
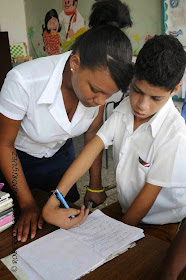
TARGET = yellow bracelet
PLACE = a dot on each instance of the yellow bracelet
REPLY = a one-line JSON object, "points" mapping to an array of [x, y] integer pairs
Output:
{"points": [[96, 191]]}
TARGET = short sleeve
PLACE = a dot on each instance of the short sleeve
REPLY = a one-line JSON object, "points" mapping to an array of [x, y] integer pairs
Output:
{"points": [[169, 166], [107, 131], [13, 97]]}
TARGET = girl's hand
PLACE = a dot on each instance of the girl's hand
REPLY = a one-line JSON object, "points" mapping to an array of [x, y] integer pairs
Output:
{"points": [[29, 220], [96, 198]]}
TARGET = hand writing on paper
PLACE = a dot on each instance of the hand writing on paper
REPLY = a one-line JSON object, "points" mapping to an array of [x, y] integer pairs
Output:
{"points": [[29, 220], [61, 217], [96, 198]]}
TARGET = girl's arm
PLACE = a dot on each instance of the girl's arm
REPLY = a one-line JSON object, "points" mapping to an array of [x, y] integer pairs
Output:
{"points": [[141, 205], [12, 170], [51, 211]]}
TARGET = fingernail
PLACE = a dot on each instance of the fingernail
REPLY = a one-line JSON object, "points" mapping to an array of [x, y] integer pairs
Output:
{"points": [[40, 227], [19, 238], [32, 236], [23, 239]]}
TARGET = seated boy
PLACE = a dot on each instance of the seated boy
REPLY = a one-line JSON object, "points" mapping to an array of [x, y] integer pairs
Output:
{"points": [[174, 265], [149, 143]]}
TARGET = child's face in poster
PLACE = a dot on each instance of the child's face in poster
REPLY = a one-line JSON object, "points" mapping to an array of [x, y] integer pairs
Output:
{"points": [[68, 6], [53, 24]]}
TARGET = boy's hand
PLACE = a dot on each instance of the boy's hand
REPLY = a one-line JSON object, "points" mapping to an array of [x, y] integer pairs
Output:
{"points": [[29, 220], [61, 217], [96, 198]]}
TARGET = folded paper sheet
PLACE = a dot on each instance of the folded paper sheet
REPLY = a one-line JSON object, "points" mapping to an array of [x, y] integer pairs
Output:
{"points": [[69, 254]]}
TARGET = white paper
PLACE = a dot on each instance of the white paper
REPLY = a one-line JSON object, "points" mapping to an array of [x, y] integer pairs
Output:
{"points": [[105, 235], [58, 256], [69, 254], [23, 271]]}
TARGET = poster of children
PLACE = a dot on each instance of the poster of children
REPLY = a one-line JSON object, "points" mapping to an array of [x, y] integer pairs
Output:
{"points": [[51, 37], [70, 20], [54, 25]]}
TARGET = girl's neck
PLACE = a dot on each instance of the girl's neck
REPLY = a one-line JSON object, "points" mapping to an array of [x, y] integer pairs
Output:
{"points": [[66, 83], [69, 97]]}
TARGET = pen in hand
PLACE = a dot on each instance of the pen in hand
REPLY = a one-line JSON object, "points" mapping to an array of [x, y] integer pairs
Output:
{"points": [[62, 200]]}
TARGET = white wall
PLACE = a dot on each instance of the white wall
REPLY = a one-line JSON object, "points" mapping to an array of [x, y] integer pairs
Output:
{"points": [[12, 19]]}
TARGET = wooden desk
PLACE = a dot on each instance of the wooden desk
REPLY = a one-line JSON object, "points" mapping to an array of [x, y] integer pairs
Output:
{"points": [[139, 263]]}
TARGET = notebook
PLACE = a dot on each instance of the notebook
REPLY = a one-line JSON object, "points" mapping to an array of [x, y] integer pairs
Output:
{"points": [[3, 196], [6, 204], [6, 220], [70, 254], [6, 226], [6, 212]]}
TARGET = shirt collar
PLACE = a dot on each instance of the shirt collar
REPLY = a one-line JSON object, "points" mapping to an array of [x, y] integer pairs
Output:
{"points": [[155, 122], [124, 107], [158, 119], [55, 80], [128, 117]]}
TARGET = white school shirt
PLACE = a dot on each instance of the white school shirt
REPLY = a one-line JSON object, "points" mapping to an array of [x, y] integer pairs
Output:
{"points": [[161, 145], [32, 93]]}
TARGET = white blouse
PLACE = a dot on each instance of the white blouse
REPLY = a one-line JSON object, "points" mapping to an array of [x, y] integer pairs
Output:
{"points": [[32, 93]]}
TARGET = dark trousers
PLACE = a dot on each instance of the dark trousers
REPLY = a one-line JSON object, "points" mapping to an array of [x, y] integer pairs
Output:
{"points": [[45, 173]]}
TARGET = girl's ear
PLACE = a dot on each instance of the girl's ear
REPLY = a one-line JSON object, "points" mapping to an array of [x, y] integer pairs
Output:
{"points": [[176, 89], [75, 62]]}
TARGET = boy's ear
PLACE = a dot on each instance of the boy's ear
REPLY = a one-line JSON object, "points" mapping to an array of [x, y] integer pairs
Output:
{"points": [[74, 62], [176, 89]]}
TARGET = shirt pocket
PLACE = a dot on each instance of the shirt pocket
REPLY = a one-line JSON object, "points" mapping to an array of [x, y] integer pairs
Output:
{"points": [[139, 174]]}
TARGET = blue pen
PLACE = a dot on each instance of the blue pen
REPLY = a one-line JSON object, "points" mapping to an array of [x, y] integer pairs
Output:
{"points": [[62, 200]]}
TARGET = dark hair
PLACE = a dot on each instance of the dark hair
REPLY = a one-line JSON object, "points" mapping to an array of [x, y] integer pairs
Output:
{"points": [[161, 62], [48, 16], [104, 45], [110, 11]]}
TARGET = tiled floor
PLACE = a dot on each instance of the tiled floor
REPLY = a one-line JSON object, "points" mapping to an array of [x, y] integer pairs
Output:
{"points": [[108, 176]]}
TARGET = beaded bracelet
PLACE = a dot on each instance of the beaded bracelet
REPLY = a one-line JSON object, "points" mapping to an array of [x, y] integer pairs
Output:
{"points": [[95, 191]]}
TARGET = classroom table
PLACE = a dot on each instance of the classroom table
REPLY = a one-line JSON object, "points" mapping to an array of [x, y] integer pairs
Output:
{"points": [[139, 263]]}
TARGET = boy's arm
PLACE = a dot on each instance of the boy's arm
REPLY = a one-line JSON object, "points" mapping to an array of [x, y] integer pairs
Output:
{"points": [[51, 211], [175, 260], [141, 205], [95, 170]]}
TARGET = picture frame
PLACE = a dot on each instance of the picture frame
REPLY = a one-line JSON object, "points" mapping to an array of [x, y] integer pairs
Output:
{"points": [[174, 20]]}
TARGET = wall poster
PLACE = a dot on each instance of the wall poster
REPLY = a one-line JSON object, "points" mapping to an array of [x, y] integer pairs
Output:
{"points": [[174, 19]]}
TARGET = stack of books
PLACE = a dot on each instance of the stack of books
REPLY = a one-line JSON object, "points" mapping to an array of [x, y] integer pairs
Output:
{"points": [[6, 210]]}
